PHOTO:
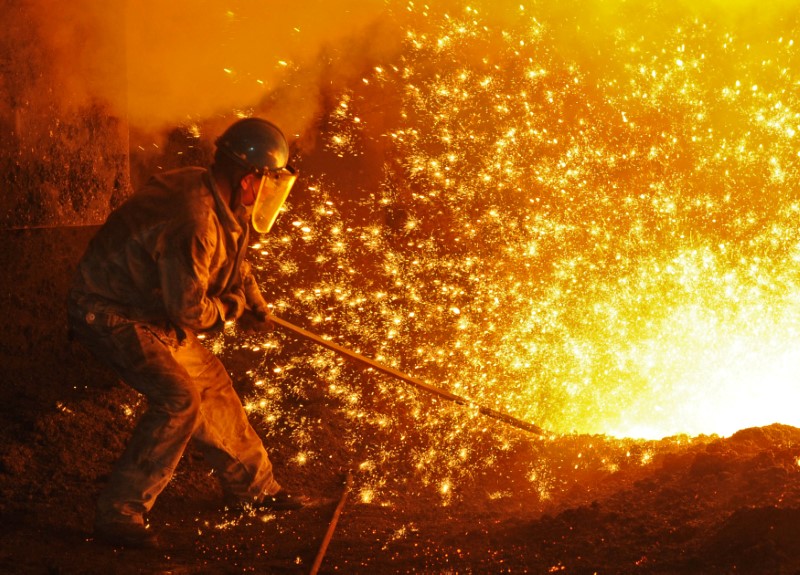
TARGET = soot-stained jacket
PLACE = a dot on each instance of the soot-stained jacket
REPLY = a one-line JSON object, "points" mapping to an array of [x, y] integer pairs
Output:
{"points": [[173, 252]]}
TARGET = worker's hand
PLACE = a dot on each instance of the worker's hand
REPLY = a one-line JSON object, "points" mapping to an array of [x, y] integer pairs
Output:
{"points": [[256, 319], [233, 304], [261, 313]]}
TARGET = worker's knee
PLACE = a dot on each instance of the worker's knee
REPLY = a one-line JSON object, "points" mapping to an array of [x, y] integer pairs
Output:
{"points": [[180, 405]]}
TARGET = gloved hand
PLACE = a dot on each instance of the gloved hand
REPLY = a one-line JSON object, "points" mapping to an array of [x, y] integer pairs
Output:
{"points": [[258, 320], [256, 304], [233, 304], [261, 313]]}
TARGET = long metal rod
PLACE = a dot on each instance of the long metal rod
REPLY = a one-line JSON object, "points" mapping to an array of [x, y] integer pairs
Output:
{"points": [[349, 354], [323, 548]]}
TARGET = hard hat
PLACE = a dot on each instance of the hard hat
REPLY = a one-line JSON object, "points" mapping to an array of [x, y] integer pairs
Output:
{"points": [[261, 148], [256, 144]]}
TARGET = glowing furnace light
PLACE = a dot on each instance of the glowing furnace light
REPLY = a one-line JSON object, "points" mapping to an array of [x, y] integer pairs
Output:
{"points": [[599, 245], [721, 383]]}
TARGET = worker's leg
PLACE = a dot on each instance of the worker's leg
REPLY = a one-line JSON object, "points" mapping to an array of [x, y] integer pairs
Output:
{"points": [[143, 358], [224, 433]]}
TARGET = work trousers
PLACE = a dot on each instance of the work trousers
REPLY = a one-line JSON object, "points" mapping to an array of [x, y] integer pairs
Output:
{"points": [[189, 396]]}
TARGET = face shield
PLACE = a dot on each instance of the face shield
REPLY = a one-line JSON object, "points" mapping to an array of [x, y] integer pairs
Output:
{"points": [[272, 193]]}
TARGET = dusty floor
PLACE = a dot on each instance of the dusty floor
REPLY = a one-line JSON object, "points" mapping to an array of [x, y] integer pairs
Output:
{"points": [[680, 505]]}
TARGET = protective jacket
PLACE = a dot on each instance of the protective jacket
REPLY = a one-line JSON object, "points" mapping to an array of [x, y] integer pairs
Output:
{"points": [[174, 252], [167, 263]]}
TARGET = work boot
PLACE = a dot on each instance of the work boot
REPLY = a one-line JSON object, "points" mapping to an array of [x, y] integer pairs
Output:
{"points": [[134, 535]]}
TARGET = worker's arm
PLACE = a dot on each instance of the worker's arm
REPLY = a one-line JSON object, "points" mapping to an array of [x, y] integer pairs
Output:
{"points": [[184, 264], [252, 293]]}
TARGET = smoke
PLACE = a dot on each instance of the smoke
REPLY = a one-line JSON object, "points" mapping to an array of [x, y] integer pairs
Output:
{"points": [[184, 62], [193, 60], [160, 64], [64, 54]]}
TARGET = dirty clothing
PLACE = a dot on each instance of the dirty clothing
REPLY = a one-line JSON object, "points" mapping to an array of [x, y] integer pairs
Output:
{"points": [[167, 263], [174, 252]]}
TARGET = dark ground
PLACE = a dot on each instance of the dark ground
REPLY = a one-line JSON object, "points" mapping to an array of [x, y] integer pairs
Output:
{"points": [[679, 505]]}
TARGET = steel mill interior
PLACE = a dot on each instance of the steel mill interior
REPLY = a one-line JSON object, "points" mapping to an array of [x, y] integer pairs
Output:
{"points": [[538, 282]]}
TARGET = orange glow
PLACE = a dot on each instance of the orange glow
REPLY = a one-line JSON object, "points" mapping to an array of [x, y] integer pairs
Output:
{"points": [[583, 214], [600, 241]]}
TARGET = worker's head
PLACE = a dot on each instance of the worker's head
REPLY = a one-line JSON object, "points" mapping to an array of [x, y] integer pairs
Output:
{"points": [[255, 155]]}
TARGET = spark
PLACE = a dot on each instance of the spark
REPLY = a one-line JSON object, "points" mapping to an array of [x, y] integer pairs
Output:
{"points": [[594, 245]]}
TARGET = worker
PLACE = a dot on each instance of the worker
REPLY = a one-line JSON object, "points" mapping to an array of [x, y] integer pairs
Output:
{"points": [[168, 264]]}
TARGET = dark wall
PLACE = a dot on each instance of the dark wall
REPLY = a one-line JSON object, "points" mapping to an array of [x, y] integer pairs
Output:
{"points": [[63, 150]]}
